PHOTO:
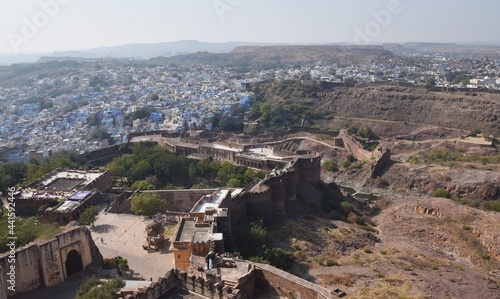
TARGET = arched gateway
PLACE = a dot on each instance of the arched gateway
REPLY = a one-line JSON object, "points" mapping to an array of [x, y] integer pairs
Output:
{"points": [[73, 263]]}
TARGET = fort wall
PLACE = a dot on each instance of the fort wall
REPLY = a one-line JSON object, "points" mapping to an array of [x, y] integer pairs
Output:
{"points": [[177, 200], [281, 282], [268, 198], [286, 284], [46, 264], [382, 158]]}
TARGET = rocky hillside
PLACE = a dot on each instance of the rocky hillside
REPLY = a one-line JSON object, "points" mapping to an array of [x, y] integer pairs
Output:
{"points": [[257, 57], [461, 110], [394, 109], [417, 247]]}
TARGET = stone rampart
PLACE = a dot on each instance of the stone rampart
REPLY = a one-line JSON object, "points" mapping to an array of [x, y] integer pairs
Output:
{"points": [[50, 262], [291, 286]]}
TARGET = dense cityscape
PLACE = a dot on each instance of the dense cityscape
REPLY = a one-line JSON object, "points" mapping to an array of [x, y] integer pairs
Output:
{"points": [[231, 149], [89, 105]]}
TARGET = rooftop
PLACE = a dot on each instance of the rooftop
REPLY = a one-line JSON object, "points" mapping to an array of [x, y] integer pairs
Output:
{"points": [[192, 231], [261, 153], [210, 201], [177, 142], [68, 206], [68, 180], [149, 138], [60, 185]]}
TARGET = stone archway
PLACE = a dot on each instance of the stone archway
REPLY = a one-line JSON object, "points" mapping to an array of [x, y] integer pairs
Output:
{"points": [[73, 263]]}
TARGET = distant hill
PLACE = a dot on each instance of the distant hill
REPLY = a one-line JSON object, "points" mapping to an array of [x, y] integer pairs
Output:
{"points": [[265, 57], [145, 51], [446, 49]]}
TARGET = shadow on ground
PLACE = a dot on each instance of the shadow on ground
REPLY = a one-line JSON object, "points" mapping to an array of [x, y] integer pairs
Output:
{"points": [[102, 228]]}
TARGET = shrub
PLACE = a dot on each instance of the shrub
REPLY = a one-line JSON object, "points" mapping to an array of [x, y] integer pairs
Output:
{"points": [[109, 264], [494, 205], [330, 166], [346, 164], [346, 207], [459, 200], [353, 218], [368, 250], [95, 288], [331, 263], [279, 257], [474, 132], [355, 257], [485, 256], [459, 267], [383, 252], [441, 192], [380, 182]]}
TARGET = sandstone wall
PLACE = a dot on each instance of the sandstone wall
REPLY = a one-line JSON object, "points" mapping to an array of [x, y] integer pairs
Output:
{"points": [[286, 284], [43, 264], [382, 158], [178, 200], [27, 269]]}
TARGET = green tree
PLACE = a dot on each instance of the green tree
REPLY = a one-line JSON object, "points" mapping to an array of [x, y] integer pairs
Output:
{"points": [[94, 288], [279, 257], [234, 182], [142, 185], [100, 133], [251, 175], [154, 97], [89, 215], [229, 125], [367, 133], [250, 238], [141, 170], [147, 203]]}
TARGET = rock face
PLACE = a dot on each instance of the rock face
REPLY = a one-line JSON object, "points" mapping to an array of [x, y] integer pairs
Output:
{"points": [[444, 234], [468, 184], [414, 105], [482, 225]]}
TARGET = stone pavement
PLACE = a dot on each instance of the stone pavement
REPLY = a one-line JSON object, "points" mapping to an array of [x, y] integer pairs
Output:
{"points": [[123, 235]]}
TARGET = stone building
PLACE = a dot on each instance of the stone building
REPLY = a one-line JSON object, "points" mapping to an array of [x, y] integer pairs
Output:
{"points": [[61, 196], [198, 234]]}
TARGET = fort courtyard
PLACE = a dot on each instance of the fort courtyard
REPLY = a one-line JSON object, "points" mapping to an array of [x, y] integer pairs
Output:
{"points": [[123, 235]]}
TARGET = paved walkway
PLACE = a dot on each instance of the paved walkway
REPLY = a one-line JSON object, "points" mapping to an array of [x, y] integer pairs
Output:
{"points": [[123, 235]]}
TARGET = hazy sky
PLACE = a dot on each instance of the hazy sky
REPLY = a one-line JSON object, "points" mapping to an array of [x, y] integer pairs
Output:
{"points": [[29, 26]]}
